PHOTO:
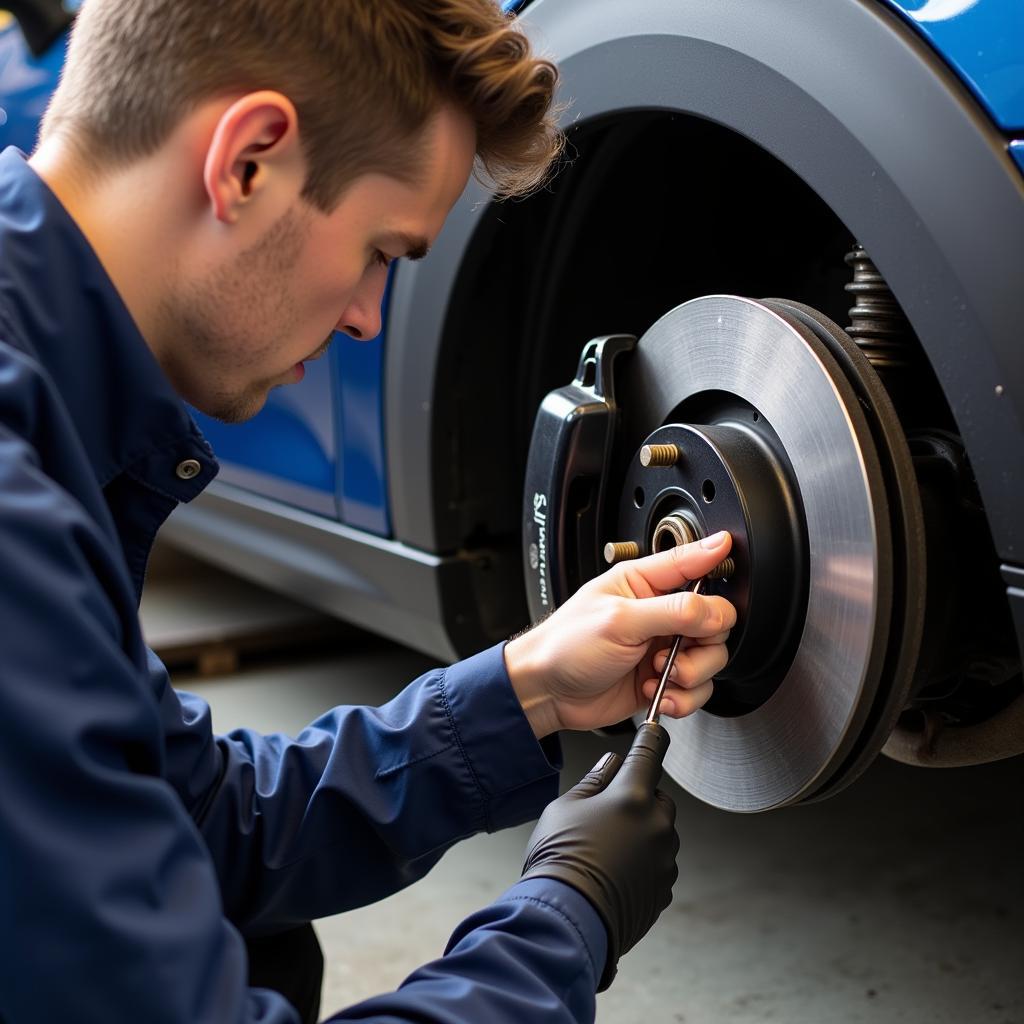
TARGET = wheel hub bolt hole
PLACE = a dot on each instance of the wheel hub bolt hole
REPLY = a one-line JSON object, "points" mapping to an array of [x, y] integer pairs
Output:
{"points": [[639, 497], [708, 491]]}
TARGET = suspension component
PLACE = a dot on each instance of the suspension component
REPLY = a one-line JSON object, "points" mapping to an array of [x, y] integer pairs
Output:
{"points": [[877, 324]]}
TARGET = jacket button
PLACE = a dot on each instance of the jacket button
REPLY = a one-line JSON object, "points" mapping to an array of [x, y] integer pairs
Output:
{"points": [[188, 470]]}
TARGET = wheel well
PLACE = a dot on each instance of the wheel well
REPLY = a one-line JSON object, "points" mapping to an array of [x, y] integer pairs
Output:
{"points": [[650, 210]]}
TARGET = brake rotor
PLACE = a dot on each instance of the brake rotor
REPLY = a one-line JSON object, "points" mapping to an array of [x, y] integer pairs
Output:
{"points": [[787, 439]]}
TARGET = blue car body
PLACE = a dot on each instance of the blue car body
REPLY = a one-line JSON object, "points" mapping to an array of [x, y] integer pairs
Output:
{"points": [[318, 454]]}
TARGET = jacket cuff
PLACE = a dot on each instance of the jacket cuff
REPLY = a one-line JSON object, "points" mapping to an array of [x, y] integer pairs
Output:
{"points": [[572, 905], [517, 773]]}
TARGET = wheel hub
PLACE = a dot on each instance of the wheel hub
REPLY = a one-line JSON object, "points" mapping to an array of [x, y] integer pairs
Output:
{"points": [[730, 474]]}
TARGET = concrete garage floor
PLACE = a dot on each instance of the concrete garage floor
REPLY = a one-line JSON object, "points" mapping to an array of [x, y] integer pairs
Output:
{"points": [[901, 899]]}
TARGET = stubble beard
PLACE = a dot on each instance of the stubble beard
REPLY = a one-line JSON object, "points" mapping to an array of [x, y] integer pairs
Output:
{"points": [[211, 325]]}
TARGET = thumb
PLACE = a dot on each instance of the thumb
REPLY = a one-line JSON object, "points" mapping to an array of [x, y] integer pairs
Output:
{"points": [[641, 769], [597, 778], [670, 569]]}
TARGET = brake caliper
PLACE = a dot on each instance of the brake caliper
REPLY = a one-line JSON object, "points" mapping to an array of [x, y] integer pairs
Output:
{"points": [[565, 478]]}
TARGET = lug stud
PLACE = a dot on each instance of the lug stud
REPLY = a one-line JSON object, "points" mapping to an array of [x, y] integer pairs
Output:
{"points": [[619, 552], [659, 455], [723, 571]]}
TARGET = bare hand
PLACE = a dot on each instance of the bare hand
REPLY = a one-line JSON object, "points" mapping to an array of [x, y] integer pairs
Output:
{"points": [[597, 659]]}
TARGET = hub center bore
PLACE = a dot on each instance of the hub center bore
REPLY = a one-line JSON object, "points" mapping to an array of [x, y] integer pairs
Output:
{"points": [[676, 528], [729, 475]]}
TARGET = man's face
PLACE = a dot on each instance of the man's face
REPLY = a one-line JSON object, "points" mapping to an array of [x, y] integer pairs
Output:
{"points": [[248, 325]]}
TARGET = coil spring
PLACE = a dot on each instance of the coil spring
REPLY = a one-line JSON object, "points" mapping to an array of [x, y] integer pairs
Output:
{"points": [[877, 323]]}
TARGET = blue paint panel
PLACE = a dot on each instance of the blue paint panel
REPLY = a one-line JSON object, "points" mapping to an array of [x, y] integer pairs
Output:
{"points": [[983, 40], [26, 84], [275, 442], [357, 368], [1017, 152]]}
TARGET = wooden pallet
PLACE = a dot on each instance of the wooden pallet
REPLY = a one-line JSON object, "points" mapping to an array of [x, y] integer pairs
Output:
{"points": [[201, 620]]}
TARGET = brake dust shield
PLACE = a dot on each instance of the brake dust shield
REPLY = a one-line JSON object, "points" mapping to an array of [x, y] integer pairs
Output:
{"points": [[784, 385]]}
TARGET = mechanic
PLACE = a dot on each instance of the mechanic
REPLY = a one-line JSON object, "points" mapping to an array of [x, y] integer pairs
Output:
{"points": [[216, 189]]}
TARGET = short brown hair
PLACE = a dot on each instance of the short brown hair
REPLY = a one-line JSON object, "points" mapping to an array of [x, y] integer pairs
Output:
{"points": [[365, 77]]}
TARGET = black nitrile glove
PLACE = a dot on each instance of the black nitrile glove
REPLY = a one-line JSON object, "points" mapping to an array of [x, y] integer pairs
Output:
{"points": [[613, 838]]}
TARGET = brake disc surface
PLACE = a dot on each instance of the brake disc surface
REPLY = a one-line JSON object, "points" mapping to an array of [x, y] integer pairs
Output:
{"points": [[791, 745]]}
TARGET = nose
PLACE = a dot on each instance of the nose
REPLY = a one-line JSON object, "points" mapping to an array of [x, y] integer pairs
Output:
{"points": [[362, 317]]}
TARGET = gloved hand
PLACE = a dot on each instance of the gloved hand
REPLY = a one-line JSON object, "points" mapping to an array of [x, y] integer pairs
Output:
{"points": [[612, 837]]}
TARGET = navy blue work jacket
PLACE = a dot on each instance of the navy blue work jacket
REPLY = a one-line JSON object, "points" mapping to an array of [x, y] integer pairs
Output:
{"points": [[136, 847]]}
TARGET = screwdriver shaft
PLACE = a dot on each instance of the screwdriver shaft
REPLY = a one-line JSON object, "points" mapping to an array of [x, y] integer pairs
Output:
{"points": [[653, 714]]}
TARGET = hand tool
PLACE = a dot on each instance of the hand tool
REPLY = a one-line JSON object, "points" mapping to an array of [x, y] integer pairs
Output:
{"points": [[651, 738], [653, 714]]}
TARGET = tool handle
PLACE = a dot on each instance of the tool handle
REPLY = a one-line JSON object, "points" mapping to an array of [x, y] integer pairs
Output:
{"points": [[642, 764]]}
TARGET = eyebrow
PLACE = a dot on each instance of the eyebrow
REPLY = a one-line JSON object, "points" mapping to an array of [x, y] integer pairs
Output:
{"points": [[415, 248]]}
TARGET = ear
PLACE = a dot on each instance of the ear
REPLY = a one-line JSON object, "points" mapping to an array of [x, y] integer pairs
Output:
{"points": [[254, 153]]}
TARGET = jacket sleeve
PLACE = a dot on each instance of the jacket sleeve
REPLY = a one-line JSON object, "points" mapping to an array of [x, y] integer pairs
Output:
{"points": [[536, 954], [365, 800]]}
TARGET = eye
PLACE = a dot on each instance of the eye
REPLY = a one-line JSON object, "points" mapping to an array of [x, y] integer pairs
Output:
{"points": [[381, 259]]}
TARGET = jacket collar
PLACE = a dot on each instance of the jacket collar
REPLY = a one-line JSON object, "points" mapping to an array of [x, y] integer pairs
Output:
{"points": [[58, 305]]}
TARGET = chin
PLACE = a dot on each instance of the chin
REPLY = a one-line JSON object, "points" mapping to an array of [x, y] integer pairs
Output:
{"points": [[233, 408]]}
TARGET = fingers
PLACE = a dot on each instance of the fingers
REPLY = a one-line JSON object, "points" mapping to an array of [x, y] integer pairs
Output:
{"points": [[692, 615], [707, 641], [668, 806], [694, 665], [641, 767], [677, 702], [598, 777], [669, 570]]}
